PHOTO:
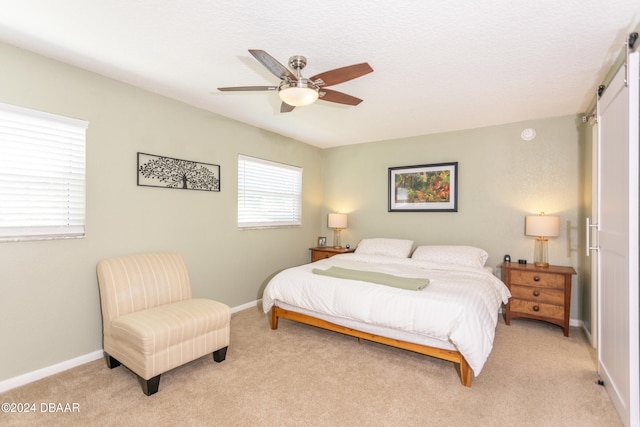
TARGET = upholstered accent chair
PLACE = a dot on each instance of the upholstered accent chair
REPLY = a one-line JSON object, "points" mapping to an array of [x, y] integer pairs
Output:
{"points": [[150, 322]]}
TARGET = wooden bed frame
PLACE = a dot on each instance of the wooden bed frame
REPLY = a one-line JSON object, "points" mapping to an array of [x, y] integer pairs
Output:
{"points": [[449, 355]]}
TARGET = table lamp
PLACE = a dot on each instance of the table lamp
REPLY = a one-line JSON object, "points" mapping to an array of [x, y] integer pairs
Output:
{"points": [[337, 221], [542, 226]]}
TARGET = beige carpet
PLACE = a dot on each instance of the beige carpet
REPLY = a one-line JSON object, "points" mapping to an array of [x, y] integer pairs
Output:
{"points": [[299, 375]]}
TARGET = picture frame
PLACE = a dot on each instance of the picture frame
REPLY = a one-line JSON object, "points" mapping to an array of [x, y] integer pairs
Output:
{"points": [[322, 242], [168, 172], [424, 188]]}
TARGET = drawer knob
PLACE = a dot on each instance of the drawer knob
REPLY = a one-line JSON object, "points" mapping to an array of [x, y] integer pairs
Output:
{"points": [[536, 308], [536, 278], [536, 293]]}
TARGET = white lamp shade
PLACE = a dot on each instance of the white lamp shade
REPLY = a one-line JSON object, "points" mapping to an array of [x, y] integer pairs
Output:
{"points": [[299, 93], [542, 225], [337, 220]]}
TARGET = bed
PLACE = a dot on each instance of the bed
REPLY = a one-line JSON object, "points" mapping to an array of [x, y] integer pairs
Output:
{"points": [[440, 301]]}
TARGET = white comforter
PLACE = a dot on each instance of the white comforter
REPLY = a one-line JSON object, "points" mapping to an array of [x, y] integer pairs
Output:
{"points": [[460, 304]]}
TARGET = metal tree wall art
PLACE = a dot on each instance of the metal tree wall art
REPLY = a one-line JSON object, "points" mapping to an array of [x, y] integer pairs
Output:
{"points": [[167, 172]]}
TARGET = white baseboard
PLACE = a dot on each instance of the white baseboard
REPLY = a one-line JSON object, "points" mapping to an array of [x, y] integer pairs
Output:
{"points": [[576, 322], [252, 304], [39, 374], [30, 377]]}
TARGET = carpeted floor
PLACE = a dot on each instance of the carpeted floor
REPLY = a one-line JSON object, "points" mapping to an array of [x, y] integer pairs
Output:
{"points": [[299, 375]]}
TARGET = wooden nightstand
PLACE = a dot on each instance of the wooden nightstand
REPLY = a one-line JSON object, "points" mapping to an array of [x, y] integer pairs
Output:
{"points": [[539, 293], [322, 252]]}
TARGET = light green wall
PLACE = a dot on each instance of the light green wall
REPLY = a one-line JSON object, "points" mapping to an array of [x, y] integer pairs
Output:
{"points": [[584, 267], [501, 180], [49, 303]]}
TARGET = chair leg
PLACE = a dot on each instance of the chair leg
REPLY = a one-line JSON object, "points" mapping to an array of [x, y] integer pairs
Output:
{"points": [[220, 355], [111, 362], [149, 386]]}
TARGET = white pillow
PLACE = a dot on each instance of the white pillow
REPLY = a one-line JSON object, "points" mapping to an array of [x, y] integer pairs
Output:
{"points": [[461, 255], [397, 248]]}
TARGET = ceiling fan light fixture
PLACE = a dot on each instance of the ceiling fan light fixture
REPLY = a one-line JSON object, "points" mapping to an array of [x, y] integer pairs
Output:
{"points": [[298, 93]]}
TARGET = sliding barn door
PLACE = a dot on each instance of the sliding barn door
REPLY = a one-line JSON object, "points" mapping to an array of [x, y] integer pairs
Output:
{"points": [[618, 237]]}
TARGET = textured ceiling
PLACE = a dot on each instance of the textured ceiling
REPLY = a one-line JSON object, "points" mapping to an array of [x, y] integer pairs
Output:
{"points": [[438, 66]]}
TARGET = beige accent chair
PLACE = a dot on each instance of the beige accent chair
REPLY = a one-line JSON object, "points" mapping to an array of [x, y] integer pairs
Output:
{"points": [[150, 322]]}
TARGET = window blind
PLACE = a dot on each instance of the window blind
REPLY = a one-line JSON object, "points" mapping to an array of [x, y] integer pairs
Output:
{"points": [[269, 193], [42, 174]]}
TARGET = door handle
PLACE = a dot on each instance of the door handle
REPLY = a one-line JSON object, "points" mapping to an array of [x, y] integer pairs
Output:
{"points": [[589, 227]]}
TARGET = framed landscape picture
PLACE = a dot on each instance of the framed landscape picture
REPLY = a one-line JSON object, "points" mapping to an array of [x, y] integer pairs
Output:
{"points": [[424, 188]]}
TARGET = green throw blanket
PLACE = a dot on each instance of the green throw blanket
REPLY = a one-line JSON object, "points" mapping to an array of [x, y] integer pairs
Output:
{"points": [[410, 283]]}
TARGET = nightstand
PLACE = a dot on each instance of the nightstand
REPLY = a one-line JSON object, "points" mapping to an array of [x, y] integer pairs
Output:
{"points": [[538, 293], [322, 252]]}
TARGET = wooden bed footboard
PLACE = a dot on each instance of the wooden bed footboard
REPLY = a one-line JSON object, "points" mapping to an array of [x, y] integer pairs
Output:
{"points": [[449, 355]]}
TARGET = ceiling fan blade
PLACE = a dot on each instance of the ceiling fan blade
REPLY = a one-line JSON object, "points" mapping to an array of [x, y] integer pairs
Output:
{"points": [[276, 68], [246, 88], [339, 75], [286, 108], [339, 97]]}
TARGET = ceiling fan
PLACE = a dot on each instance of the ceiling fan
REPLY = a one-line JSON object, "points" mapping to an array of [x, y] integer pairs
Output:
{"points": [[297, 91]]}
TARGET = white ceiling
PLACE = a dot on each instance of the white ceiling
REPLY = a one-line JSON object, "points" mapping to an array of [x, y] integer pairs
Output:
{"points": [[438, 66]]}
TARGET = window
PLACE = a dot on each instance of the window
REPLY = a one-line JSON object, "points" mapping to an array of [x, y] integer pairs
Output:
{"points": [[269, 194], [42, 175]]}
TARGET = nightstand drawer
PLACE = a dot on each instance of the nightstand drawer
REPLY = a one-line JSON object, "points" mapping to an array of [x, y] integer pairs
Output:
{"points": [[538, 309], [531, 293], [538, 279], [322, 252], [317, 255]]}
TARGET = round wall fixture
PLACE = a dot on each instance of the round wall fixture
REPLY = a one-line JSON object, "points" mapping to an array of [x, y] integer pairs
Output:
{"points": [[528, 134]]}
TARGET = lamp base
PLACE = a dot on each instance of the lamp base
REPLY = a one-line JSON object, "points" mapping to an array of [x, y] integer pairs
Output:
{"points": [[336, 239], [540, 253]]}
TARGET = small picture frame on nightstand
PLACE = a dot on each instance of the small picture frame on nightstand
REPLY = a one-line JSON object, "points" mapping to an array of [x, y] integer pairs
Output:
{"points": [[322, 242]]}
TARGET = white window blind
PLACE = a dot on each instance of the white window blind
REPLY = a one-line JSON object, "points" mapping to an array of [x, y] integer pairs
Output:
{"points": [[42, 175], [269, 193]]}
